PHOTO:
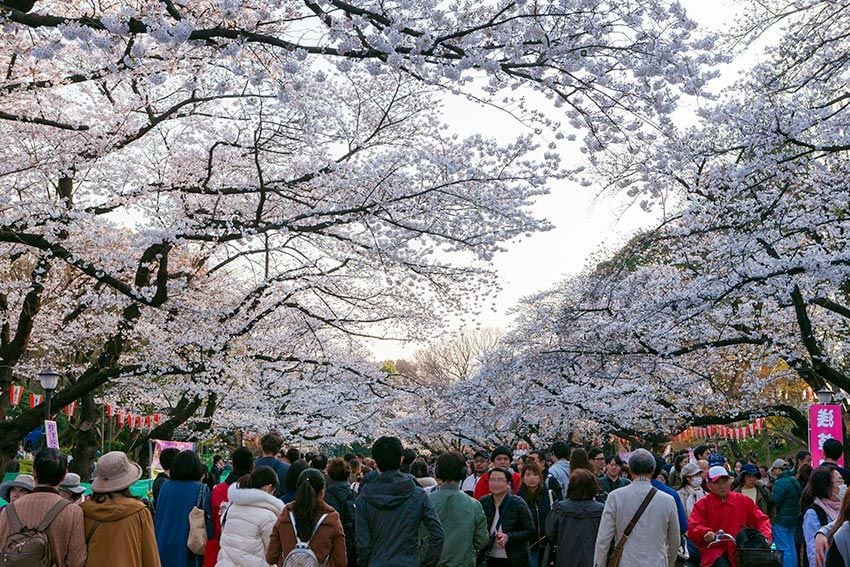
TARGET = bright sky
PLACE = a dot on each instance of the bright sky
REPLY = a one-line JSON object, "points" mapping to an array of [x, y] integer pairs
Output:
{"points": [[584, 220]]}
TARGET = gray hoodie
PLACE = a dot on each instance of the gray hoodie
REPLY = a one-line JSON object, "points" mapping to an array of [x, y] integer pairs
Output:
{"points": [[389, 512]]}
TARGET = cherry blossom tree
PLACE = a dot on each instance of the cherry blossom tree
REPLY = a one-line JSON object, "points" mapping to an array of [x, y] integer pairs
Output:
{"points": [[742, 286], [243, 191]]}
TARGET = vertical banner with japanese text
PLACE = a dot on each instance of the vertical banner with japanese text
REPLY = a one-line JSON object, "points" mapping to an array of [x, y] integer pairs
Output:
{"points": [[824, 423]]}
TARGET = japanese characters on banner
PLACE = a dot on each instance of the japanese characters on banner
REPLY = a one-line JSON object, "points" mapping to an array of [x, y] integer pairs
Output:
{"points": [[737, 433], [824, 423]]}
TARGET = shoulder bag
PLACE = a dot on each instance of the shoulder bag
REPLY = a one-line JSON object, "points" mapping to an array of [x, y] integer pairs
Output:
{"points": [[197, 539], [616, 554]]}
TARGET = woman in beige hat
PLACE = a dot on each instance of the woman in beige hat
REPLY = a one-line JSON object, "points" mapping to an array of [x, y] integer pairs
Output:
{"points": [[118, 527], [14, 489]]}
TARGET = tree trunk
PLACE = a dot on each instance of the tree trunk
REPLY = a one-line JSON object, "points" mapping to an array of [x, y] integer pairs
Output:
{"points": [[87, 439]]}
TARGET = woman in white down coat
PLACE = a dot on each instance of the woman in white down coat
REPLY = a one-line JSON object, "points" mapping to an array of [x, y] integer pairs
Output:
{"points": [[248, 521]]}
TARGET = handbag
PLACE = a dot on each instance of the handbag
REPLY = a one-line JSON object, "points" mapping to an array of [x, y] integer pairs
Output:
{"points": [[197, 539], [615, 555]]}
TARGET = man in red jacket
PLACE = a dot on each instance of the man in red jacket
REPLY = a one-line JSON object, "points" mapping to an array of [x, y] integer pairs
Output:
{"points": [[724, 510], [500, 457]]}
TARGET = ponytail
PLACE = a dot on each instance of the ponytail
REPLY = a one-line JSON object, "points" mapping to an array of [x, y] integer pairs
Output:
{"points": [[305, 507], [260, 477]]}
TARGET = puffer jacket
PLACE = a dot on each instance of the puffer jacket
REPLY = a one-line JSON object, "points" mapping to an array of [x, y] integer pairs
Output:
{"points": [[786, 497], [248, 523]]}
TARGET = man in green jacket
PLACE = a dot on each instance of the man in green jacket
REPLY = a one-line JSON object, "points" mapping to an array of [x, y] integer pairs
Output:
{"points": [[462, 517], [786, 496]]}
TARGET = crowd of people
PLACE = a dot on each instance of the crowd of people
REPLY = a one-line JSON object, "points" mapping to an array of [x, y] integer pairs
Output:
{"points": [[565, 508]]}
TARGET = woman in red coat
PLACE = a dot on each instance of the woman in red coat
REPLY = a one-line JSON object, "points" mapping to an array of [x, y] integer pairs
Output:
{"points": [[723, 510]]}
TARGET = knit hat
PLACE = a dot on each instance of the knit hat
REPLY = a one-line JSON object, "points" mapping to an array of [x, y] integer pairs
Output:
{"points": [[501, 450], [115, 472]]}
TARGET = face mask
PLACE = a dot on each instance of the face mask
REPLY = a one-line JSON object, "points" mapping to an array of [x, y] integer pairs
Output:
{"points": [[841, 491], [695, 481]]}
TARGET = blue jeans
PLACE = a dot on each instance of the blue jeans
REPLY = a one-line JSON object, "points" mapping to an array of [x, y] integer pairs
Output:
{"points": [[535, 557], [783, 537]]}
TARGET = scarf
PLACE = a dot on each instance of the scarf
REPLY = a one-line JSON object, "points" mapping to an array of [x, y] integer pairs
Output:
{"points": [[690, 497], [831, 507]]}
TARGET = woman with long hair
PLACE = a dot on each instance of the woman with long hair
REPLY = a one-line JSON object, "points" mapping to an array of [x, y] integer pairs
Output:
{"points": [[248, 520], [579, 460], [308, 519], [540, 501], [821, 503], [118, 527]]}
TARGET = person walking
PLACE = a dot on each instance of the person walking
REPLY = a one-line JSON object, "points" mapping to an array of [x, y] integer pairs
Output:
{"points": [[118, 527], [510, 523], [480, 461], [462, 517], [612, 479], [13, 489], [248, 519], [177, 498], [690, 489], [654, 540], [391, 508], [821, 504], [243, 463], [166, 458], [540, 502], [786, 495], [45, 505], [341, 497], [271, 443], [310, 520], [748, 485], [572, 526], [500, 457]]}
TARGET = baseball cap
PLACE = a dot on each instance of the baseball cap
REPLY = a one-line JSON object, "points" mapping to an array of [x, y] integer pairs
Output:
{"points": [[717, 472], [779, 464], [716, 459]]}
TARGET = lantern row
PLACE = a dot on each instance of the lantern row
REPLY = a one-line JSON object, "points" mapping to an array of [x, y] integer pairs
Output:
{"points": [[722, 431]]}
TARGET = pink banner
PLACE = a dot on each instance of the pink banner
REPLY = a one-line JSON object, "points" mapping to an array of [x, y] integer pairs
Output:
{"points": [[824, 423]]}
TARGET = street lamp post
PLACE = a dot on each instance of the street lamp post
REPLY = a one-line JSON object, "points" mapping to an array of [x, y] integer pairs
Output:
{"points": [[49, 379], [825, 396]]}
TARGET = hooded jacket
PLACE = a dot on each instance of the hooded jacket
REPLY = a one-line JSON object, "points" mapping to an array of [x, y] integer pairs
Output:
{"points": [[124, 535], [463, 520], [572, 528], [249, 520], [390, 510]]}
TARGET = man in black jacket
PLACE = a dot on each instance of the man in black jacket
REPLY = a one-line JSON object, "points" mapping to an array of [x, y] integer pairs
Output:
{"points": [[389, 512]]}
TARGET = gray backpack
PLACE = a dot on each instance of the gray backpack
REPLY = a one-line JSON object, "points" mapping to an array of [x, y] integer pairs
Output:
{"points": [[26, 546], [302, 555]]}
